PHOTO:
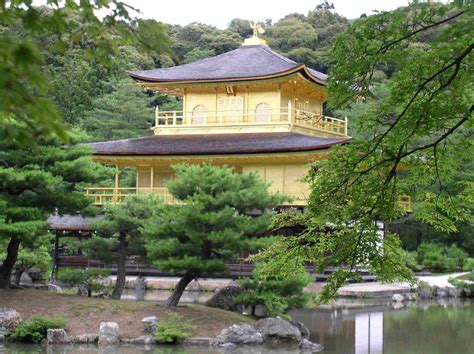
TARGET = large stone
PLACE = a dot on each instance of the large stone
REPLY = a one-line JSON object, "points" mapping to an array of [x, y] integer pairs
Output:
{"points": [[278, 330], [411, 296], [425, 291], [143, 340], [307, 346], [149, 324], [25, 279], [108, 333], [398, 298], [305, 333], [204, 341], [86, 338], [455, 292], [441, 292], [240, 334], [35, 274], [57, 336], [224, 298], [9, 320]]}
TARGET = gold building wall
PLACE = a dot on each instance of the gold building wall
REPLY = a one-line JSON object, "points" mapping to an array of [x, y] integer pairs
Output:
{"points": [[283, 177]]}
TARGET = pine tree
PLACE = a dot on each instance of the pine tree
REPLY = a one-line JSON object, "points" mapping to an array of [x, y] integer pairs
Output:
{"points": [[210, 224], [118, 232], [34, 183]]}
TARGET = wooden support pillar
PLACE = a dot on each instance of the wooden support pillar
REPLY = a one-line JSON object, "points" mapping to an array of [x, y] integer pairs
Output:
{"points": [[54, 272], [289, 111]]}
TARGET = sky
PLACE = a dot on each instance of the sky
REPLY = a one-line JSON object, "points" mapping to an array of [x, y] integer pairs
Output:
{"points": [[220, 12]]}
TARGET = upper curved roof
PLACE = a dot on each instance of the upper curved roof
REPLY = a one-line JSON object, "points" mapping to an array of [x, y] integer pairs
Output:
{"points": [[246, 62]]}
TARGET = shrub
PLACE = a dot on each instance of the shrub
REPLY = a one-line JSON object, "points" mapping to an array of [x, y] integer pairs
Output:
{"points": [[83, 277], [469, 265], [410, 260], [35, 329], [276, 296], [440, 258], [172, 329]]}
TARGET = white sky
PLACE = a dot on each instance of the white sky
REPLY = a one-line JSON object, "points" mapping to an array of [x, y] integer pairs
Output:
{"points": [[220, 12]]}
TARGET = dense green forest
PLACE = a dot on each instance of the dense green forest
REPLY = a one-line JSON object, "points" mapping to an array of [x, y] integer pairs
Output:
{"points": [[99, 99]]}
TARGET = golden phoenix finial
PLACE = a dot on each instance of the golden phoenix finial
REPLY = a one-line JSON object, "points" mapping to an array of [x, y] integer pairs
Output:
{"points": [[257, 28]]}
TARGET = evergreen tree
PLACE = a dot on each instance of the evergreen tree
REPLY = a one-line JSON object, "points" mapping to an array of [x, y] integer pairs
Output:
{"points": [[120, 230], [124, 113], [34, 183], [211, 223]]}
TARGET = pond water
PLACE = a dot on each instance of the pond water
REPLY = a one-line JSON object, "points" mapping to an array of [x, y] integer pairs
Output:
{"points": [[359, 327]]}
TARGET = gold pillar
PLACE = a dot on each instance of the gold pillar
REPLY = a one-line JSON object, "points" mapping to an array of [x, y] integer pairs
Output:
{"points": [[115, 198]]}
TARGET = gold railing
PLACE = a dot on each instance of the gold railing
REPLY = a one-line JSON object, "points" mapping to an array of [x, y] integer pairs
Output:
{"points": [[406, 203], [111, 195], [270, 116]]}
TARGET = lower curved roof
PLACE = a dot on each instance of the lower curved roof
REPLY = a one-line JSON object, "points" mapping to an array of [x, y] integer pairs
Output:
{"points": [[215, 144]]}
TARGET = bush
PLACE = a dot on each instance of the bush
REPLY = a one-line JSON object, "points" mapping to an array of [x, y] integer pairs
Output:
{"points": [[411, 261], [469, 265], [35, 329], [439, 258], [276, 296], [172, 329], [83, 277]]}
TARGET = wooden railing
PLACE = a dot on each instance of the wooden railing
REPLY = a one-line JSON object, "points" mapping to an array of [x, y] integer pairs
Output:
{"points": [[111, 195], [271, 116]]}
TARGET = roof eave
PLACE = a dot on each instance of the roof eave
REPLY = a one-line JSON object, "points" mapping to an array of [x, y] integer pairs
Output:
{"points": [[297, 68]]}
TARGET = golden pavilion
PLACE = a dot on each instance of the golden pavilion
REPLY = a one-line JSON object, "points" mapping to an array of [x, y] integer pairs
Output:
{"points": [[250, 108]]}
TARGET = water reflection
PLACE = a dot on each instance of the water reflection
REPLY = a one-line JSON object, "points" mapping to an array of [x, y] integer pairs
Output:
{"points": [[426, 327]]}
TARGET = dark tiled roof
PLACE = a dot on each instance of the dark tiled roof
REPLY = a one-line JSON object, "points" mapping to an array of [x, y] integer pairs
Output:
{"points": [[70, 222], [211, 144], [251, 61]]}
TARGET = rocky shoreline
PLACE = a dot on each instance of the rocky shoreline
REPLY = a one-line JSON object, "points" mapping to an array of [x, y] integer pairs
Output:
{"points": [[268, 331]]}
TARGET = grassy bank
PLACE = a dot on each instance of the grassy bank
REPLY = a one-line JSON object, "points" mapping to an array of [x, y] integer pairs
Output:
{"points": [[83, 315]]}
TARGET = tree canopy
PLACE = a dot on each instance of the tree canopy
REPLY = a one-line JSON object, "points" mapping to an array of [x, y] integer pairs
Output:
{"points": [[219, 212], [416, 139]]}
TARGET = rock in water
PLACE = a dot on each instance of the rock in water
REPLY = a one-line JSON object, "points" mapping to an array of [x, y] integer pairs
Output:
{"points": [[224, 298], [305, 333], [9, 320], [278, 330], [239, 334], [108, 333], [86, 338], [57, 336], [307, 346], [149, 323], [398, 298]]}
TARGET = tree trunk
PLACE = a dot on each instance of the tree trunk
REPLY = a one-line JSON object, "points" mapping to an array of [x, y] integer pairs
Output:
{"points": [[9, 262], [173, 300], [121, 266]]}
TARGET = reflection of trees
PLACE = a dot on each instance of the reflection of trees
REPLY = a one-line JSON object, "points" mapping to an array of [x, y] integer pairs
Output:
{"points": [[433, 330]]}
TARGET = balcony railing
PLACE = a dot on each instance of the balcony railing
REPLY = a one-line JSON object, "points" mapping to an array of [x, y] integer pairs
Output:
{"points": [[111, 195], [284, 116]]}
